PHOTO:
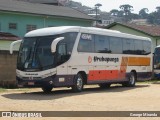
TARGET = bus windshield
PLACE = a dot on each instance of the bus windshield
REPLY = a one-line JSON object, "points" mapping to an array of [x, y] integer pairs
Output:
{"points": [[157, 58], [35, 54]]}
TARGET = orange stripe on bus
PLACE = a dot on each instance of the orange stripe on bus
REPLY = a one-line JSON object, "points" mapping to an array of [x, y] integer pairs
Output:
{"points": [[138, 61], [123, 67]]}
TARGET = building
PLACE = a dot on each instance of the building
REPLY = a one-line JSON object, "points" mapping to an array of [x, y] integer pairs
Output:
{"points": [[150, 31], [6, 39], [139, 21], [19, 17]]}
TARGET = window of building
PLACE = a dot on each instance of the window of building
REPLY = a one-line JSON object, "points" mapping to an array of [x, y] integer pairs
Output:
{"points": [[13, 26], [31, 27]]}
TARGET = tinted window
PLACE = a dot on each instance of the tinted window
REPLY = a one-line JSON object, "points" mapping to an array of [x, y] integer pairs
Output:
{"points": [[157, 51], [70, 39], [86, 43], [128, 46], [116, 45], [44, 54], [65, 47], [102, 44], [147, 47], [138, 47]]}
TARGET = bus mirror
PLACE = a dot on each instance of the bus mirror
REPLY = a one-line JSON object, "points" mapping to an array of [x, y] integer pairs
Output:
{"points": [[12, 45], [54, 44]]}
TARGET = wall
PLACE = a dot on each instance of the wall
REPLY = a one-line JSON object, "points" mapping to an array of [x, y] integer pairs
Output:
{"points": [[39, 20], [7, 69]]}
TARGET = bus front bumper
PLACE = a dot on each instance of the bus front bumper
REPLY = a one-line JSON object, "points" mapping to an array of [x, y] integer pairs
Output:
{"points": [[55, 81]]}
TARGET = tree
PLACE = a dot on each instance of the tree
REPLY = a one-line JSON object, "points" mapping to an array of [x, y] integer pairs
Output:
{"points": [[143, 13], [126, 8], [114, 12], [120, 13], [154, 17]]}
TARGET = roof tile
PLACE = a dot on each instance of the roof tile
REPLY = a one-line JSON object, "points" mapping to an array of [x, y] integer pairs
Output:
{"points": [[41, 9], [149, 29]]}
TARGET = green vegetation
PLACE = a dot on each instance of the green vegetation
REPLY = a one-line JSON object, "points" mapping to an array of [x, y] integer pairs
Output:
{"points": [[125, 12], [14, 89], [2, 90]]}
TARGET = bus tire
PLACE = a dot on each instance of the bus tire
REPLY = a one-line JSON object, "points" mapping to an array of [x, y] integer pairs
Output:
{"points": [[79, 83], [104, 85], [47, 89], [131, 80]]}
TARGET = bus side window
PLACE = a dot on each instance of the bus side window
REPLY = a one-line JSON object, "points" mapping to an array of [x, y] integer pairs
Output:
{"points": [[102, 44], [116, 45], [61, 53], [138, 47], [86, 43], [147, 47], [128, 46]]}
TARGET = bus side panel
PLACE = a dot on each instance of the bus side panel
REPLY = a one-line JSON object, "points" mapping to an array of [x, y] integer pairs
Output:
{"points": [[141, 66]]}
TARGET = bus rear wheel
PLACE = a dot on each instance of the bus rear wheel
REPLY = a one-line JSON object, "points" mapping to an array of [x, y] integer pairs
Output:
{"points": [[104, 85], [47, 89], [131, 80], [78, 87]]}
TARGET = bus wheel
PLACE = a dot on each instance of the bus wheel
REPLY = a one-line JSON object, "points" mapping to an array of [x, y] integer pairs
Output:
{"points": [[131, 80], [78, 87], [47, 89], [104, 85]]}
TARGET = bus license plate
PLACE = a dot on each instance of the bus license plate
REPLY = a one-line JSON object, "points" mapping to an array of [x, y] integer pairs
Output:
{"points": [[30, 83]]}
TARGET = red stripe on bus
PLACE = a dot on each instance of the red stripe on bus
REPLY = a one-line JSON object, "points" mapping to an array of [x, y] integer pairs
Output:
{"points": [[105, 74]]}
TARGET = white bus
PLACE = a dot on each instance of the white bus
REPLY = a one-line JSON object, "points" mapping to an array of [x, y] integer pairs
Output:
{"points": [[72, 56], [156, 62]]}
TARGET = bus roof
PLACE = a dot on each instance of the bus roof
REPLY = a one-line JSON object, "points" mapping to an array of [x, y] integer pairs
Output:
{"points": [[92, 30]]}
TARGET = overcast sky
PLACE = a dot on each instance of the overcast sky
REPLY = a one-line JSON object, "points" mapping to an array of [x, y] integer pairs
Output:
{"points": [[108, 5]]}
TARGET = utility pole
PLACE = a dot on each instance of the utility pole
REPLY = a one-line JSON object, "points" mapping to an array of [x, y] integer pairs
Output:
{"points": [[97, 9]]}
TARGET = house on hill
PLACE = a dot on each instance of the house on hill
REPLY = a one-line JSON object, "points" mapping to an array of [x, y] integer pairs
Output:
{"points": [[151, 31], [19, 17]]}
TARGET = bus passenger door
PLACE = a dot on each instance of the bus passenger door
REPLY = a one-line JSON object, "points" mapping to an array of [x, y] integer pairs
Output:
{"points": [[61, 59]]}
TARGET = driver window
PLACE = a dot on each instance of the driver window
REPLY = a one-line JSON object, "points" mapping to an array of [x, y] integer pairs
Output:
{"points": [[62, 49], [61, 53]]}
